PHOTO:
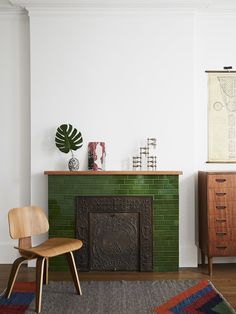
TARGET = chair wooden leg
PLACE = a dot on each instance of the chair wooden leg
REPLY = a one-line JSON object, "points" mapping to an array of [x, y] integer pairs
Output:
{"points": [[73, 270], [39, 283], [12, 278], [45, 273]]}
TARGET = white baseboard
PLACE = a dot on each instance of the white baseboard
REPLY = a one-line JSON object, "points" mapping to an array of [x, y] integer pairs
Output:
{"points": [[188, 256], [218, 260], [32, 263]]}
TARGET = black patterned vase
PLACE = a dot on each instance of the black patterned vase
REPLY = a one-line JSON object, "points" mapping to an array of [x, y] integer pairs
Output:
{"points": [[73, 164]]}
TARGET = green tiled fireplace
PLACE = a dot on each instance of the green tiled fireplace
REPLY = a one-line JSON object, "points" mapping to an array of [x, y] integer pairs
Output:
{"points": [[163, 186]]}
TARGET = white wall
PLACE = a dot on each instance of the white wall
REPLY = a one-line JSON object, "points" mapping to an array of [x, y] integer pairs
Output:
{"points": [[14, 122], [119, 76]]}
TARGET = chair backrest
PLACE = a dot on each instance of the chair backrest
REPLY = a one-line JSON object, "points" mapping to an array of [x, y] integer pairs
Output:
{"points": [[27, 221]]}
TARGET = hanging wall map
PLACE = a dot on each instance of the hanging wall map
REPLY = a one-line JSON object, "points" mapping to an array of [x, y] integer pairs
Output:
{"points": [[222, 117]]}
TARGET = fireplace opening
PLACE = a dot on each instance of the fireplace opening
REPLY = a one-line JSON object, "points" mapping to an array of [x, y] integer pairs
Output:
{"points": [[116, 232]]}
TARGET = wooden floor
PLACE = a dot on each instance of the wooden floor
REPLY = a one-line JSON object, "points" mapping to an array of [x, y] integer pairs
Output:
{"points": [[223, 278]]}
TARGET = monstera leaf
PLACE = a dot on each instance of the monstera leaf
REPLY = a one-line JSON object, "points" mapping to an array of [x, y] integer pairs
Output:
{"points": [[68, 138]]}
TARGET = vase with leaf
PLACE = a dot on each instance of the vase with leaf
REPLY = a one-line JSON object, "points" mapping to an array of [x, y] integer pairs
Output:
{"points": [[69, 139]]}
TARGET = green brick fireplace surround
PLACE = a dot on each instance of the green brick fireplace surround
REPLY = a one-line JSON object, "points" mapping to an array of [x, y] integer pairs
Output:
{"points": [[64, 186]]}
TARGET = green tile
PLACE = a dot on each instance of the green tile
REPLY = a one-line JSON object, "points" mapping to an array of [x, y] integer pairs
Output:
{"points": [[62, 191]]}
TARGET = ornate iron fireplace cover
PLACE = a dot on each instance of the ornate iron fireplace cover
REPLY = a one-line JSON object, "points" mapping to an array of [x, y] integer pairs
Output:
{"points": [[116, 232]]}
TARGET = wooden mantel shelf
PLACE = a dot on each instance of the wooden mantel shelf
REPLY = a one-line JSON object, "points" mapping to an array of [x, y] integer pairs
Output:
{"points": [[111, 172]]}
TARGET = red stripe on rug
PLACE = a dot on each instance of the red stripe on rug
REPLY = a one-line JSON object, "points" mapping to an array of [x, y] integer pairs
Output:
{"points": [[164, 309], [24, 286], [13, 309], [192, 308]]}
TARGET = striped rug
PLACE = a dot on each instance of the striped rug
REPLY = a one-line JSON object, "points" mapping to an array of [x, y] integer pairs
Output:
{"points": [[201, 298], [119, 297], [21, 297]]}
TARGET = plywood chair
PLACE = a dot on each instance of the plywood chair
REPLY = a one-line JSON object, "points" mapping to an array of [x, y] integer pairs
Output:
{"points": [[26, 222]]}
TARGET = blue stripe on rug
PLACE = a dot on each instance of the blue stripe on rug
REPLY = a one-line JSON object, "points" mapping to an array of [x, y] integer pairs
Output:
{"points": [[21, 298], [18, 303]]}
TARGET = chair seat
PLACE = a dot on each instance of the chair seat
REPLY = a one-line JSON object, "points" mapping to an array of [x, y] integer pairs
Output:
{"points": [[55, 246]]}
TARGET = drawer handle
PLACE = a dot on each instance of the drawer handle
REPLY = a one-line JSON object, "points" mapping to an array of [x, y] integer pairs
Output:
{"points": [[221, 233], [220, 220], [222, 247], [221, 206], [220, 193], [220, 180]]}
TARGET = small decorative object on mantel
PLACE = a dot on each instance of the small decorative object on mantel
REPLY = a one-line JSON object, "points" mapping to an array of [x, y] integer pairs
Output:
{"points": [[137, 162], [68, 139], [96, 156], [144, 152]]}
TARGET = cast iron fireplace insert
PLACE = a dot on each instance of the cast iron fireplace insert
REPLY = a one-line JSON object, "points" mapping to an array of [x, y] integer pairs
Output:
{"points": [[116, 232]]}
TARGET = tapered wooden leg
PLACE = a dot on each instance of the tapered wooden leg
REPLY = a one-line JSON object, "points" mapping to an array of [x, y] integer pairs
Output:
{"points": [[73, 270], [203, 258], [12, 278], [45, 273], [209, 265], [39, 283]]}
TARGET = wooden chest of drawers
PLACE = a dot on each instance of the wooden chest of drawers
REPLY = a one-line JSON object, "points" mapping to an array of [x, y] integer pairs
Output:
{"points": [[217, 214]]}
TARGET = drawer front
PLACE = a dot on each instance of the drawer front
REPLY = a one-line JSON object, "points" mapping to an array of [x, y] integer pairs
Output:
{"points": [[222, 248], [221, 180], [223, 221], [231, 221], [222, 208], [219, 235], [221, 196], [218, 223], [232, 232]]}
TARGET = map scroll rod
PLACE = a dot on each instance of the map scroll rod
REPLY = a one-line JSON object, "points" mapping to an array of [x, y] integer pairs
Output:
{"points": [[227, 69]]}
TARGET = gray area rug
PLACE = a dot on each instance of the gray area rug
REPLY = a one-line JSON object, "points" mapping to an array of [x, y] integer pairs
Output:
{"points": [[109, 297]]}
